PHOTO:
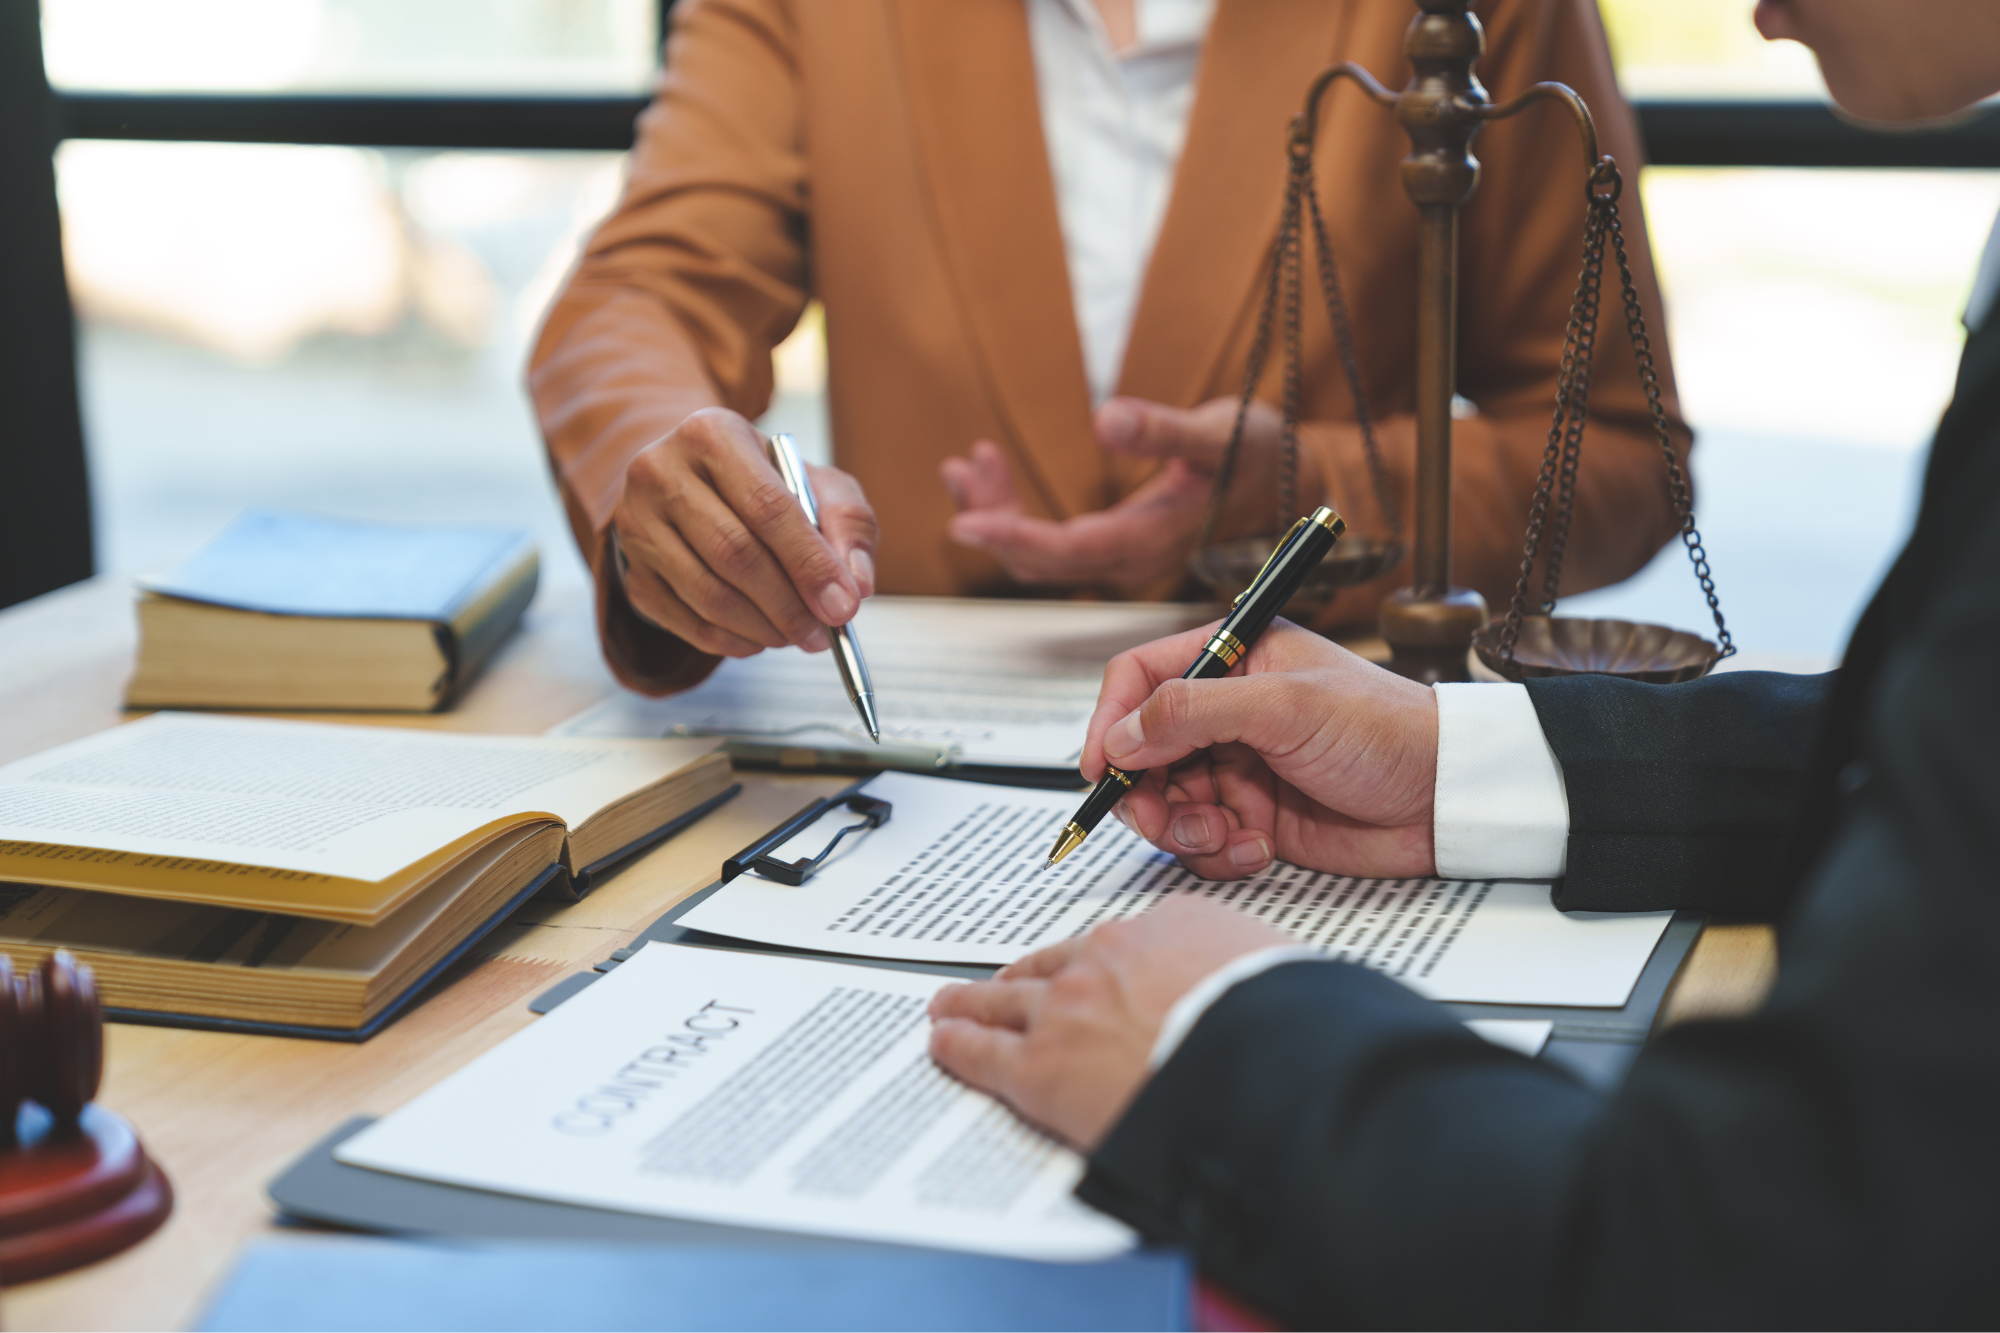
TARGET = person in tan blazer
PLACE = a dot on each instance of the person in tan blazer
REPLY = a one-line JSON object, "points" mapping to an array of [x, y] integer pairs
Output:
{"points": [[888, 157]]}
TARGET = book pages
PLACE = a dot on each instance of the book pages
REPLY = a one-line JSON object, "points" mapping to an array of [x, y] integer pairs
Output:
{"points": [[256, 804], [754, 1091], [957, 681], [155, 954], [956, 876]]}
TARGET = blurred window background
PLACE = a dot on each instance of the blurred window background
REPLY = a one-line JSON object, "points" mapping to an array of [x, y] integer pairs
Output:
{"points": [[1814, 320], [344, 329], [543, 46]]}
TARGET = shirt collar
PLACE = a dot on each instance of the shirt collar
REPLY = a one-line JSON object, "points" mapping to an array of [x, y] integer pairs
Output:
{"points": [[1985, 284], [1164, 25]]}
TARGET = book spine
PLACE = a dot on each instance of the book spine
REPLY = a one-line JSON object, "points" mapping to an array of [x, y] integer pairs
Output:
{"points": [[470, 637]]}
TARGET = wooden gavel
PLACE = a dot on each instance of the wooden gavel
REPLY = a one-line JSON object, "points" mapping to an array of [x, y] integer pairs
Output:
{"points": [[75, 1184], [51, 1041]]}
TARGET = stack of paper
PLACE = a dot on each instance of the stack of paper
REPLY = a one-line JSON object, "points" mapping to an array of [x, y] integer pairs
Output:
{"points": [[958, 682]]}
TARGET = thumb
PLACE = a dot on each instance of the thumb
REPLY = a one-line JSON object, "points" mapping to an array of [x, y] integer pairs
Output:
{"points": [[1184, 716], [1154, 430]]}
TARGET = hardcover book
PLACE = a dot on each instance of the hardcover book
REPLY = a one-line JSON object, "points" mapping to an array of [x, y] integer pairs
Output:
{"points": [[249, 872], [290, 610]]}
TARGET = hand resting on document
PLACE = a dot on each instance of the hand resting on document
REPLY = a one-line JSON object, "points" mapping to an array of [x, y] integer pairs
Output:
{"points": [[1304, 753], [717, 552], [1065, 1036]]}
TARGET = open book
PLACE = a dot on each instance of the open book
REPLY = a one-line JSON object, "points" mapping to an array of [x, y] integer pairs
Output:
{"points": [[295, 873]]}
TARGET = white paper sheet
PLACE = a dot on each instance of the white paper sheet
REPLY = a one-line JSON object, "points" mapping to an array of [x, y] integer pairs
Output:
{"points": [[755, 1091], [1526, 1035], [356, 802], [957, 680], [956, 876]]}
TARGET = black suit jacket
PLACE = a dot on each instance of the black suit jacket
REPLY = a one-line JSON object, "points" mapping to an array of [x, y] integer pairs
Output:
{"points": [[1340, 1152]]}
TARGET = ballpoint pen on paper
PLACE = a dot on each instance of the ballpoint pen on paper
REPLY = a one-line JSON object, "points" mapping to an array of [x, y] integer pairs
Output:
{"points": [[1251, 614], [846, 648]]}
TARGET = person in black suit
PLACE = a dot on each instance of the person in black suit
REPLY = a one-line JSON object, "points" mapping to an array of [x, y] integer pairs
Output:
{"points": [[1337, 1151]]}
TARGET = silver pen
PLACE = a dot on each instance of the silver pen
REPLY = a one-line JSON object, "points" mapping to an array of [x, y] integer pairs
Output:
{"points": [[785, 457]]}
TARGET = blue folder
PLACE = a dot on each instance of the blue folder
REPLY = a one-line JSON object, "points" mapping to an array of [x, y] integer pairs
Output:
{"points": [[379, 1284]]}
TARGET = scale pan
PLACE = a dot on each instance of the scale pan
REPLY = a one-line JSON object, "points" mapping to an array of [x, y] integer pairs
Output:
{"points": [[1570, 646], [1226, 568]]}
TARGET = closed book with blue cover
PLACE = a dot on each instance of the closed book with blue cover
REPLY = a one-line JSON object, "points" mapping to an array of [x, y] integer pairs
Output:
{"points": [[287, 610], [373, 1284]]}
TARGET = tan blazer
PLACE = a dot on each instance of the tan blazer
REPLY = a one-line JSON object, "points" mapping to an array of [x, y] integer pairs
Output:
{"points": [[886, 157]]}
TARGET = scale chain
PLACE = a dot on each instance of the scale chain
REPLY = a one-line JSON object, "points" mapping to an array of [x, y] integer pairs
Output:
{"points": [[1283, 286], [1558, 474]]}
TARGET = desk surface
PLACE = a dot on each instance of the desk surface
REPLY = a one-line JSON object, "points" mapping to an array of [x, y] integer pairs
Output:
{"points": [[225, 1113]]}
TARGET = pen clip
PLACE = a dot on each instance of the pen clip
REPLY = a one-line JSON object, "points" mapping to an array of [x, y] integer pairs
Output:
{"points": [[1276, 551], [757, 856]]}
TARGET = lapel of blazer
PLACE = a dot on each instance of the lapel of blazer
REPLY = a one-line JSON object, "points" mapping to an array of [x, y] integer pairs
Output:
{"points": [[977, 122], [1223, 212]]}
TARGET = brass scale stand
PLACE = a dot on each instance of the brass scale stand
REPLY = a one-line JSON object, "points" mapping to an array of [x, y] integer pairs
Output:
{"points": [[1430, 624]]}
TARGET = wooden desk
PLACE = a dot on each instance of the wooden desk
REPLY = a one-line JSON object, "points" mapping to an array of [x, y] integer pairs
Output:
{"points": [[225, 1113]]}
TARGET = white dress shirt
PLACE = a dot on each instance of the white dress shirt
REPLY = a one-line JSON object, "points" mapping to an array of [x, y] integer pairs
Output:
{"points": [[1114, 122]]}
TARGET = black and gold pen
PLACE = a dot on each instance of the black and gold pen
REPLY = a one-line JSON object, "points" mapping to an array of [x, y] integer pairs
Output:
{"points": [[1251, 614]]}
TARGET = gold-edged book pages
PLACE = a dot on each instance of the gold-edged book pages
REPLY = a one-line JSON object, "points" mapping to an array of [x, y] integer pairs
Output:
{"points": [[198, 655], [338, 823], [261, 967]]}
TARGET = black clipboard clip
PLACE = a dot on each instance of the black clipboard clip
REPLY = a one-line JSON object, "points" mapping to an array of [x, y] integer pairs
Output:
{"points": [[757, 856]]}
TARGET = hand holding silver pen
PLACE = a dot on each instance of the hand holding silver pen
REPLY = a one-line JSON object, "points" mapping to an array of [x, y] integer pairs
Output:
{"points": [[785, 457]]}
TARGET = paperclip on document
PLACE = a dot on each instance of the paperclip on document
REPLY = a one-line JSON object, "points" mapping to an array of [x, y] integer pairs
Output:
{"points": [[760, 856]]}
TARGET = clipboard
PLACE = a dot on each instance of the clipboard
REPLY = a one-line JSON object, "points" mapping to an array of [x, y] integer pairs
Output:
{"points": [[1596, 1045]]}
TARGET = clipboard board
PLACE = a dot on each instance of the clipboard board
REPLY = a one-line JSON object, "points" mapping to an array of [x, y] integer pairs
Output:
{"points": [[1597, 1045]]}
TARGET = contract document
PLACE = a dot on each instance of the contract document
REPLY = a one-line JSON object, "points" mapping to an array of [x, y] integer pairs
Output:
{"points": [[958, 681], [754, 1091], [956, 876]]}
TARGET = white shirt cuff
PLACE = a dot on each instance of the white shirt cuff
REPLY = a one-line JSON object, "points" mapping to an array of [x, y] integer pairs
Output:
{"points": [[1187, 1010], [1501, 809]]}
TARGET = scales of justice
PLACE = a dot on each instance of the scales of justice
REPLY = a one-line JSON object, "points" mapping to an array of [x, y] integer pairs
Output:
{"points": [[1431, 624]]}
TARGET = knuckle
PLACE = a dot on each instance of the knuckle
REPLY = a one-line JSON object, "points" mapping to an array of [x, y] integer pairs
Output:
{"points": [[733, 550], [651, 470], [859, 523], [1170, 708], [708, 427], [766, 503], [707, 638]]}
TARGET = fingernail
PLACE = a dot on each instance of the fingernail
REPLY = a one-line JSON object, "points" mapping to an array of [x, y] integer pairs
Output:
{"points": [[1191, 831], [836, 604], [975, 540], [817, 641], [862, 566], [1124, 816], [1116, 423], [1125, 737], [1251, 855]]}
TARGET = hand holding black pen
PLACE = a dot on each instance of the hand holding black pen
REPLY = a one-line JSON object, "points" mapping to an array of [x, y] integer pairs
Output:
{"points": [[1296, 556]]}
